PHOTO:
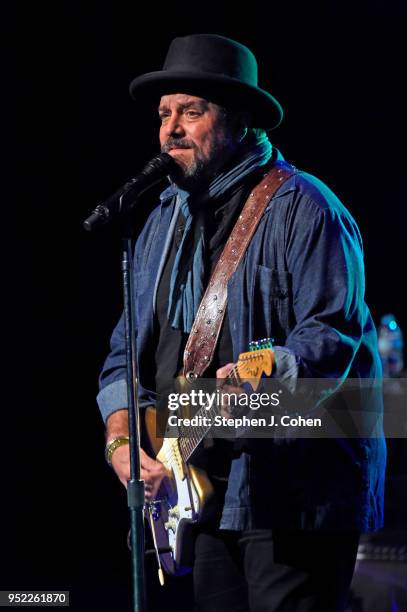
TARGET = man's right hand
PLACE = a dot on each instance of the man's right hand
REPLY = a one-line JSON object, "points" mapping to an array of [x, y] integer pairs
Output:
{"points": [[152, 471], [121, 463]]}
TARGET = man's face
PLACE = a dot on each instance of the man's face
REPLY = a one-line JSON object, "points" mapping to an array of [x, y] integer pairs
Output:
{"points": [[196, 133]]}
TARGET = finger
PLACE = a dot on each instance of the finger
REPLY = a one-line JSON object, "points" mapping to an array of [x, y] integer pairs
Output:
{"points": [[146, 459], [225, 370], [151, 465], [147, 462], [149, 492], [124, 481], [145, 475], [229, 389], [226, 412], [122, 472]]}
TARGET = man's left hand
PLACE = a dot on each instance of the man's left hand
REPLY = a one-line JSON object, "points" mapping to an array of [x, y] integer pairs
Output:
{"points": [[222, 374]]}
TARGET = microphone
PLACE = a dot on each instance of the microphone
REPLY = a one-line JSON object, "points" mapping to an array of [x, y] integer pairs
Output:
{"points": [[123, 200]]}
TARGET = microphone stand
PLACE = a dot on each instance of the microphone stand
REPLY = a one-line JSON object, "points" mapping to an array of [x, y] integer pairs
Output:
{"points": [[117, 205], [135, 486]]}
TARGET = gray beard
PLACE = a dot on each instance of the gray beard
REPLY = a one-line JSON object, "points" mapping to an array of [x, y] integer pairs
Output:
{"points": [[199, 173], [193, 177]]}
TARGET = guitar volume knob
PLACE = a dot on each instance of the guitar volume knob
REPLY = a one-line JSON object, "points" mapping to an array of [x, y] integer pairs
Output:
{"points": [[174, 512], [170, 525]]}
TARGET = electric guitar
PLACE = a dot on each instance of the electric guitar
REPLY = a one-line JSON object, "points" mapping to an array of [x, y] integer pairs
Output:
{"points": [[184, 498]]}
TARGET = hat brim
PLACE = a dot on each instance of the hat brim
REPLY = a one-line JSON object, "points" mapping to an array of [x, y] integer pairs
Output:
{"points": [[265, 109]]}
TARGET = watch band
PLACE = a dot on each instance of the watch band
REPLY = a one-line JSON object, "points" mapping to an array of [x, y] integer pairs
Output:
{"points": [[112, 445]]}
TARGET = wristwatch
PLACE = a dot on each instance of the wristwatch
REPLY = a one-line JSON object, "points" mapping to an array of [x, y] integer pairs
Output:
{"points": [[112, 445]]}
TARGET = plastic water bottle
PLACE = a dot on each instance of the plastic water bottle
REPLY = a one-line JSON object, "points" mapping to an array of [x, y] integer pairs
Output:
{"points": [[391, 346]]}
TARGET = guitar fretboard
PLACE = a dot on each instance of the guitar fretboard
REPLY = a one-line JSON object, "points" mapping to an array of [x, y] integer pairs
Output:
{"points": [[190, 437]]}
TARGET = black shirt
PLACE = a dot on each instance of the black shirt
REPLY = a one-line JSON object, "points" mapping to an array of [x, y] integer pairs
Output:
{"points": [[217, 221]]}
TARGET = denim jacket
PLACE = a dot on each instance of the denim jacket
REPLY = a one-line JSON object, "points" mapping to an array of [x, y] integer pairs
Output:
{"points": [[301, 282]]}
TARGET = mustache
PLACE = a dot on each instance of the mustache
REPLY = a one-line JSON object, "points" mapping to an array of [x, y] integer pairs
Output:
{"points": [[173, 143]]}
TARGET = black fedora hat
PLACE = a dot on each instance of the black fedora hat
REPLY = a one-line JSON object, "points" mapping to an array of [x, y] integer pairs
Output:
{"points": [[211, 66]]}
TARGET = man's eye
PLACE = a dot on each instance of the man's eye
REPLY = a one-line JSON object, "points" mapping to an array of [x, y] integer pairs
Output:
{"points": [[192, 113], [163, 117]]}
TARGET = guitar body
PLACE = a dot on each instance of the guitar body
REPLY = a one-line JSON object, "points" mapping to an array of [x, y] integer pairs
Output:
{"points": [[183, 500], [186, 496]]}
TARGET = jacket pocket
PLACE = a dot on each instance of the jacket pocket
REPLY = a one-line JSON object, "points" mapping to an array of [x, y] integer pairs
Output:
{"points": [[271, 304]]}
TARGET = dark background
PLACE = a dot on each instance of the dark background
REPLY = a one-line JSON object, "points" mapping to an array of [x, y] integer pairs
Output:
{"points": [[338, 70]]}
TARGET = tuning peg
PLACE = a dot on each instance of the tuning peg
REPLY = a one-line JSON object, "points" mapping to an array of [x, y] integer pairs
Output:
{"points": [[256, 345]]}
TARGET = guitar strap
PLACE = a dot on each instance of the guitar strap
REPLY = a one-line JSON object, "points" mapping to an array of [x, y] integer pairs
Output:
{"points": [[205, 330]]}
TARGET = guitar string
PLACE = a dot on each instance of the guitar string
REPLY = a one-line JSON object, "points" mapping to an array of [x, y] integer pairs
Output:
{"points": [[199, 432], [172, 455], [187, 445]]}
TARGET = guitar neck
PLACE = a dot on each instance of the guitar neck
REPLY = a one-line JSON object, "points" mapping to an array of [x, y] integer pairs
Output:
{"points": [[249, 368], [188, 444]]}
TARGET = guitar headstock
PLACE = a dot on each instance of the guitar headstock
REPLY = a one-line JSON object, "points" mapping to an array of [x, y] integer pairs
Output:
{"points": [[258, 360]]}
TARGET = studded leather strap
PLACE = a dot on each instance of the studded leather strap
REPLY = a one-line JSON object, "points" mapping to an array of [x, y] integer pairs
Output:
{"points": [[205, 331]]}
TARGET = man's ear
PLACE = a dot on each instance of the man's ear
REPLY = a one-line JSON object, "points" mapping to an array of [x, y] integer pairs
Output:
{"points": [[243, 134], [242, 122]]}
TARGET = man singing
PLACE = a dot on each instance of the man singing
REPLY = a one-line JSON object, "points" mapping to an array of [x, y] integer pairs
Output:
{"points": [[290, 512]]}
